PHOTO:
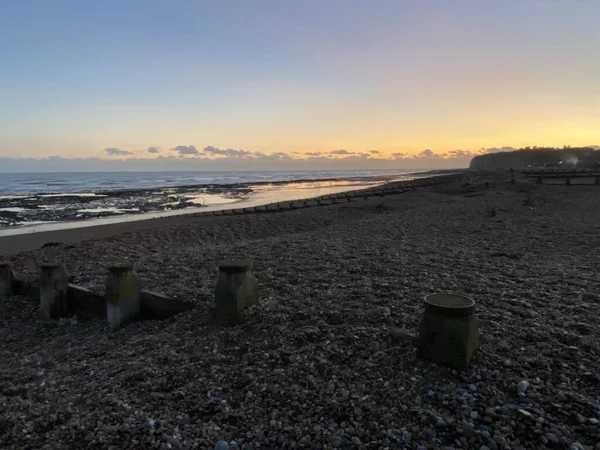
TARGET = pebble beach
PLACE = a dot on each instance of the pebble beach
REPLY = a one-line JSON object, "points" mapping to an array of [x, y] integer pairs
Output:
{"points": [[327, 359]]}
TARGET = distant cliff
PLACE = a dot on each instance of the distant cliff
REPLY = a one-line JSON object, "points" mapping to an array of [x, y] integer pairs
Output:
{"points": [[580, 157]]}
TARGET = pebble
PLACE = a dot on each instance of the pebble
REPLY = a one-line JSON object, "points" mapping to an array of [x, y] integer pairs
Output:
{"points": [[524, 413], [221, 445], [336, 441], [474, 415], [522, 386], [303, 372]]}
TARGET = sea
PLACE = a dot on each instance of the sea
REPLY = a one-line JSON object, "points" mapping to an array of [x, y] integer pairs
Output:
{"points": [[33, 202], [82, 182]]}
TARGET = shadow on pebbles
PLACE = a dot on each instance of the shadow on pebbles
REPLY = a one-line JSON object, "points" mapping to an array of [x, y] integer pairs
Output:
{"points": [[321, 363]]}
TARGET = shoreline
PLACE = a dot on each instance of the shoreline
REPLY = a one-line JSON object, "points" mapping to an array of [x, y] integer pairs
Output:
{"points": [[52, 211], [30, 238]]}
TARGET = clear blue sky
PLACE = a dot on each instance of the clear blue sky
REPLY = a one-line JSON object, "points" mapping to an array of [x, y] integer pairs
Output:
{"points": [[78, 77]]}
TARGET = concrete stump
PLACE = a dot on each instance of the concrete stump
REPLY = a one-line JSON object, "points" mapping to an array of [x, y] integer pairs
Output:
{"points": [[123, 295], [448, 333], [6, 279], [54, 284], [236, 290]]}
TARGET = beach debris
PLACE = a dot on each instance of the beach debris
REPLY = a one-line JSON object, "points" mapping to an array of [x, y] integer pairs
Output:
{"points": [[53, 286], [123, 295]]}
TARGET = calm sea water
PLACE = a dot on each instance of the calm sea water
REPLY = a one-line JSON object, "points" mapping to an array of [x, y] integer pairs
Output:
{"points": [[41, 183]]}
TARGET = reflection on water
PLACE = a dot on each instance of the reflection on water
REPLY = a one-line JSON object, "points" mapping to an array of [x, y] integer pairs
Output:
{"points": [[260, 195]]}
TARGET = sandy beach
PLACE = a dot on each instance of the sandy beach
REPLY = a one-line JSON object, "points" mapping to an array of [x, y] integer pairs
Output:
{"points": [[321, 363]]}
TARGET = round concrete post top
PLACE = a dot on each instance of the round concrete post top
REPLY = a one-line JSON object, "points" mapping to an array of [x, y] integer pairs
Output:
{"points": [[124, 266], [449, 304], [49, 265], [235, 266]]}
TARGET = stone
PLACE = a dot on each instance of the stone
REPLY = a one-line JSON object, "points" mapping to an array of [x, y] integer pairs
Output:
{"points": [[448, 333], [6, 279], [123, 295], [53, 285], [236, 290], [336, 441], [156, 306], [221, 445], [522, 386]]}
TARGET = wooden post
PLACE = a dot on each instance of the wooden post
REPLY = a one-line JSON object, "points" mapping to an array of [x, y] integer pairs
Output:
{"points": [[54, 284], [123, 295]]}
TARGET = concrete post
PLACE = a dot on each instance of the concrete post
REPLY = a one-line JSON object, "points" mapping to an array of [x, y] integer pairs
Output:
{"points": [[123, 295], [568, 181], [54, 284], [236, 290], [448, 333], [597, 180], [6, 279]]}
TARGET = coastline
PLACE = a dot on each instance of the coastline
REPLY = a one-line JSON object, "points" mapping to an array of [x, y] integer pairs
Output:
{"points": [[26, 213], [32, 237]]}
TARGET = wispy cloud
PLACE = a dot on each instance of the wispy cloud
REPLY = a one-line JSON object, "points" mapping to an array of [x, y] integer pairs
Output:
{"points": [[229, 152], [153, 150], [113, 151], [341, 151]]}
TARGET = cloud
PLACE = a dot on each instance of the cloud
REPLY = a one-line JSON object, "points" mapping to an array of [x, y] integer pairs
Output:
{"points": [[153, 150], [341, 151], [113, 151], [186, 150], [398, 155], [375, 152], [426, 154], [229, 152], [313, 153]]}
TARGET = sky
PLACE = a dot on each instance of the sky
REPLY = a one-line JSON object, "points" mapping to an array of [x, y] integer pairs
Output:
{"points": [[269, 84]]}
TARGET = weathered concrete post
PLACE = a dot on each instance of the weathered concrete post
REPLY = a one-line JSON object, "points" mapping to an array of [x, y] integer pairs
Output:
{"points": [[448, 333], [568, 181], [54, 283], [236, 290], [6, 279], [123, 295]]}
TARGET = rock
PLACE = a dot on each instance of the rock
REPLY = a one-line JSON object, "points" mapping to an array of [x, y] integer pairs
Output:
{"points": [[336, 441], [522, 386], [221, 445], [474, 415], [356, 441], [399, 335], [524, 413]]}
